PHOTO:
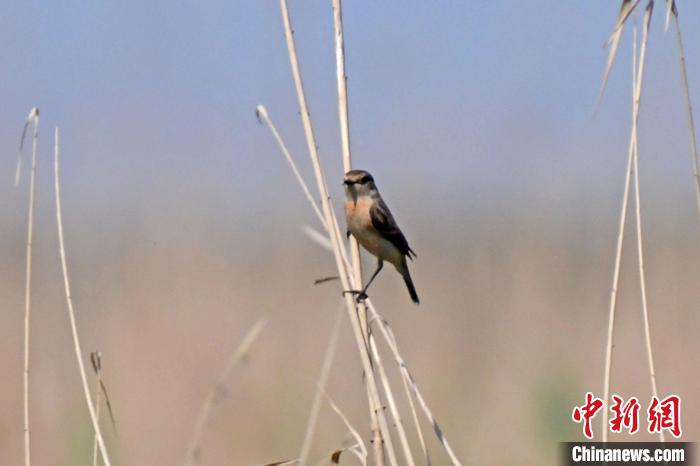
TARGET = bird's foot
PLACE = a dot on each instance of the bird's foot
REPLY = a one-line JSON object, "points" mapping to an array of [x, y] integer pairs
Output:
{"points": [[360, 295]]}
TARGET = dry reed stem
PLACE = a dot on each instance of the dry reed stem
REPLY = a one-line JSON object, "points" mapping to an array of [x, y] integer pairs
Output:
{"points": [[95, 445], [18, 169], [237, 356], [376, 414], [321, 240], [351, 429], [310, 232], [344, 121], [69, 302], [636, 83], [33, 114], [98, 386], [263, 116], [613, 293], [390, 339], [32, 117], [411, 404], [343, 114], [398, 423], [638, 78], [642, 283], [317, 237], [416, 422], [409, 385], [688, 107], [325, 243], [407, 379], [320, 389]]}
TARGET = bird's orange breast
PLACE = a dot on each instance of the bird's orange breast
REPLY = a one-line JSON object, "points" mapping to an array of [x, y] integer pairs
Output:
{"points": [[357, 214]]}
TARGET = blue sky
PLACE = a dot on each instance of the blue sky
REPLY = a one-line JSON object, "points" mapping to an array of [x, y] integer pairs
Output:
{"points": [[486, 100]]}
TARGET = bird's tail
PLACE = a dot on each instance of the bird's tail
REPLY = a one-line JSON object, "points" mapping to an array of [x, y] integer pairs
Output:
{"points": [[409, 283]]}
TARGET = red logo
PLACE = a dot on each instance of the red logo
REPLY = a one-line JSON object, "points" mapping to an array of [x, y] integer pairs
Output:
{"points": [[665, 415], [626, 415], [661, 414], [587, 412]]}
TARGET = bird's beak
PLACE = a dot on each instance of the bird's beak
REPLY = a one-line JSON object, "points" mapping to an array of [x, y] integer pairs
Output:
{"points": [[352, 190]]}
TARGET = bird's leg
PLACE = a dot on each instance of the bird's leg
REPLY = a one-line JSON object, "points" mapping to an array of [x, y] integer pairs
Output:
{"points": [[362, 294], [380, 264]]}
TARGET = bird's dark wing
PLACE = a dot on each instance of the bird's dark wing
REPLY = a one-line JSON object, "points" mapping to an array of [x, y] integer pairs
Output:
{"points": [[385, 224]]}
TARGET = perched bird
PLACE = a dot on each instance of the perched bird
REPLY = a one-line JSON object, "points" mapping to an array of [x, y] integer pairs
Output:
{"points": [[370, 221]]}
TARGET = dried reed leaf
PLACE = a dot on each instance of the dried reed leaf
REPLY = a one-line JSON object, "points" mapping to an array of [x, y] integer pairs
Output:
{"points": [[96, 361], [282, 463], [320, 281], [335, 456], [613, 42], [33, 117], [670, 8], [358, 439]]}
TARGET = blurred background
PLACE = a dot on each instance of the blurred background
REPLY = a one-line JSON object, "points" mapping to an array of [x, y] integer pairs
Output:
{"points": [[183, 222]]}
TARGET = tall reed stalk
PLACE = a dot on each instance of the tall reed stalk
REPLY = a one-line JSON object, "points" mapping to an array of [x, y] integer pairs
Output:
{"points": [[349, 278], [410, 385], [320, 389], [344, 122], [632, 168], [636, 83], [32, 118], [381, 432], [193, 445], [672, 11], [71, 311]]}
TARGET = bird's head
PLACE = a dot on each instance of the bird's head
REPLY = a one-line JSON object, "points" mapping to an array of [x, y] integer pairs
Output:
{"points": [[358, 183]]}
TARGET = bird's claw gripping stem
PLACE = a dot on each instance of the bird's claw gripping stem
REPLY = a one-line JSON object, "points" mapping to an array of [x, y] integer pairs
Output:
{"points": [[360, 295]]}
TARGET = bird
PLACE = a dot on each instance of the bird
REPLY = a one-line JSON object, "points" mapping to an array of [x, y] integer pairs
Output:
{"points": [[370, 221]]}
